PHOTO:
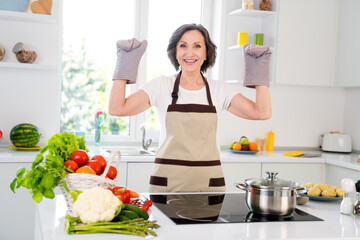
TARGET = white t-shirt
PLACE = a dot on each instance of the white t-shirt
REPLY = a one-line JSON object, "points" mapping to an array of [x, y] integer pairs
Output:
{"points": [[159, 91]]}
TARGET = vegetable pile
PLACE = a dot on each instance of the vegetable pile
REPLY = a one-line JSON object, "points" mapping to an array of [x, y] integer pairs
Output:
{"points": [[98, 210], [46, 171]]}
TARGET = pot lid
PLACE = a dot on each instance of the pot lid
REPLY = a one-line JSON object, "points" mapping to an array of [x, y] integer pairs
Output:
{"points": [[271, 181]]}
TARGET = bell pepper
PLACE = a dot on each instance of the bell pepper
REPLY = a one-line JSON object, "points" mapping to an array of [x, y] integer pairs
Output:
{"points": [[124, 196]]}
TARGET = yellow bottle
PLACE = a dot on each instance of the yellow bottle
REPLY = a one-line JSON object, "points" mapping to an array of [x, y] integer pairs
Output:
{"points": [[270, 141]]}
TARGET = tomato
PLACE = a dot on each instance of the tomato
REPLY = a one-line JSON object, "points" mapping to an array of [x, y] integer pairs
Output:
{"points": [[94, 165], [80, 157], [70, 164], [111, 173], [1, 134], [100, 159]]}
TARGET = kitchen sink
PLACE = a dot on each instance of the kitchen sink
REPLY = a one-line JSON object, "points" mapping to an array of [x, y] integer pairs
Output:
{"points": [[131, 151]]}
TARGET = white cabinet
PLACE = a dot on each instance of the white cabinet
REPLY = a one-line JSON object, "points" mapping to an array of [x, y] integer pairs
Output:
{"points": [[233, 19], [17, 210], [297, 172], [138, 176], [347, 48], [238, 172], [306, 42], [335, 174]]}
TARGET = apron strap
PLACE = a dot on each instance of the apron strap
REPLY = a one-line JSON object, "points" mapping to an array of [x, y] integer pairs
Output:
{"points": [[175, 91]]}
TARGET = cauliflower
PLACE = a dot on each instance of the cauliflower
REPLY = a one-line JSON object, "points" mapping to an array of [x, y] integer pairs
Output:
{"points": [[96, 205]]}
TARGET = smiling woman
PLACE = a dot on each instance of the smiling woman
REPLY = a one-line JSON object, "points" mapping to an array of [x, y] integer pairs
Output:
{"points": [[89, 57]]}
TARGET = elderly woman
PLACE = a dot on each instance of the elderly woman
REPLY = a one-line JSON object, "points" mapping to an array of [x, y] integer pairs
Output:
{"points": [[187, 103]]}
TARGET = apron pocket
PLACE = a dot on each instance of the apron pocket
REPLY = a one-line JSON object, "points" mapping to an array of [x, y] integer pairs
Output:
{"points": [[159, 181], [217, 182]]}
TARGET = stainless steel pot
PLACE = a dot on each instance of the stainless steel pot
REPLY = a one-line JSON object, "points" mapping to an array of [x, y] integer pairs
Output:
{"points": [[271, 195]]}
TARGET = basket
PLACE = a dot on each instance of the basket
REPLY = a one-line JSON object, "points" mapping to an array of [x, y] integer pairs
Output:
{"points": [[82, 181]]}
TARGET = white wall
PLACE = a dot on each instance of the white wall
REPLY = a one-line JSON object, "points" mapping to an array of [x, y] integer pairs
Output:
{"points": [[352, 115], [299, 116]]}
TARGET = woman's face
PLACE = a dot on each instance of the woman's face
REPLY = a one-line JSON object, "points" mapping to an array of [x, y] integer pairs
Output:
{"points": [[191, 51]]}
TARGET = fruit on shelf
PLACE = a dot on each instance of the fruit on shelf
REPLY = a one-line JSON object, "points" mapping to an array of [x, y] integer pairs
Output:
{"points": [[237, 146], [244, 141], [246, 148], [253, 146], [25, 135]]}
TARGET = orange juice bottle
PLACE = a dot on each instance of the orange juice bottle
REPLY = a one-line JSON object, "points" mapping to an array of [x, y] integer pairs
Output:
{"points": [[270, 141]]}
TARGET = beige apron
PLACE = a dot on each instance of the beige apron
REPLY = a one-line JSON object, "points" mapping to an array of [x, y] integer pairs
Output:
{"points": [[188, 160]]}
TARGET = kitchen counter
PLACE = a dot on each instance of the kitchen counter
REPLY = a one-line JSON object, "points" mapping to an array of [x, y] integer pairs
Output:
{"points": [[50, 225], [337, 159]]}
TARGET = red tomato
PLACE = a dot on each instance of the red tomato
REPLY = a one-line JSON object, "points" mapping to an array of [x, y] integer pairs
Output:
{"points": [[112, 173], [1, 134], [94, 165], [100, 159], [71, 165], [80, 157]]}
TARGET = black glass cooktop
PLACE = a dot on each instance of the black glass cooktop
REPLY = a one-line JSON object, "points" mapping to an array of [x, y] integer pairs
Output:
{"points": [[216, 208]]}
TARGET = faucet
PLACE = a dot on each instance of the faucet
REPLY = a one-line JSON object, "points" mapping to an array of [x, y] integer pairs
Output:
{"points": [[145, 143]]}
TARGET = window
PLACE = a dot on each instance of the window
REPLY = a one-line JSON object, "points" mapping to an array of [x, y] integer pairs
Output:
{"points": [[90, 33]]}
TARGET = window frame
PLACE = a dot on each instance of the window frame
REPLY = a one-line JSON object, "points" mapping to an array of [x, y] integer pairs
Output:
{"points": [[141, 32]]}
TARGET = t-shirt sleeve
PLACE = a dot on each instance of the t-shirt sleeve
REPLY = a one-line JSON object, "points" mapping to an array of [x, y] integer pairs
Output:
{"points": [[153, 90], [228, 91]]}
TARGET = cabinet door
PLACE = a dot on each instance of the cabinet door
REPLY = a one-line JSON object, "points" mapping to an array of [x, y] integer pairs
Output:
{"points": [[335, 174], [138, 176], [297, 172], [306, 42], [17, 210], [347, 49], [238, 172]]}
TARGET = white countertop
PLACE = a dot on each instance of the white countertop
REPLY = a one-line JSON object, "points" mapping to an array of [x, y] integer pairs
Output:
{"points": [[342, 160], [51, 213]]}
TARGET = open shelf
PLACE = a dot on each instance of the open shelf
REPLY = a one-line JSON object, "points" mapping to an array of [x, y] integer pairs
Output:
{"points": [[25, 65], [26, 17], [251, 13]]}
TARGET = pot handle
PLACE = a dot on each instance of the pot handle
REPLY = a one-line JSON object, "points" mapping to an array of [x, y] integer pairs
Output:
{"points": [[242, 186], [301, 190]]}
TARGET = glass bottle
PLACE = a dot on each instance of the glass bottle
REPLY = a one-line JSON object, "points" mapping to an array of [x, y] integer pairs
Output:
{"points": [[248, 4], [357, 204], [347, 205], [265, 5]]}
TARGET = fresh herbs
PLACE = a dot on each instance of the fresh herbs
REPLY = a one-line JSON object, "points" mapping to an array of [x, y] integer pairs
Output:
{"points": [[46, 172]]}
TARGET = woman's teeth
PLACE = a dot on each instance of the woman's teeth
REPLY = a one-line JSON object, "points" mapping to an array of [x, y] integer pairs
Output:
{"points": [[189, 61]]}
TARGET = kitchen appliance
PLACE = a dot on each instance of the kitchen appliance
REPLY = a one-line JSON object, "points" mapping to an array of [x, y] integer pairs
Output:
{"points": [[271, 195], [212, 208], [336, 142]]}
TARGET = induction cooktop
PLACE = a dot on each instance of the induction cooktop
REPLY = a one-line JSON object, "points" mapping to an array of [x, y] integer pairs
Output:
{"points": [[216, 208]]}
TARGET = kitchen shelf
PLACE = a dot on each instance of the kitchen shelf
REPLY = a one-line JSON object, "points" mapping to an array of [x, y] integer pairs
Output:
{"points": [[251, 13], [26, 17], [25, 66], [240, 47]]}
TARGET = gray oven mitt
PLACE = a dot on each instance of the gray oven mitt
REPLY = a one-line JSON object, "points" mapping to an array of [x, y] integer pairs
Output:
{"points": [[257, 65], [129, 53]]}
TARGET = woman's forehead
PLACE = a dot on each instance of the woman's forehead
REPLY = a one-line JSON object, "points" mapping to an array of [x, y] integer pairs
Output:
{"points": [[192, 36]]}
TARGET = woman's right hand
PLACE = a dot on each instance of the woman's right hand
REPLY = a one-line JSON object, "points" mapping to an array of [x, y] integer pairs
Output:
{"points": [[129, 53]]}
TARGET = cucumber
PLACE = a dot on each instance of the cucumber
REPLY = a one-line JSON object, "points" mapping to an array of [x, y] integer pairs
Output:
{"points": [[141, 212], [128, 214], [120, 218]]}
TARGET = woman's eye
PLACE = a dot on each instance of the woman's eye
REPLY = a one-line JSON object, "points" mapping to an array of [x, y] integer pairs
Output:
{"points": [[182, 45], [198, 46]]}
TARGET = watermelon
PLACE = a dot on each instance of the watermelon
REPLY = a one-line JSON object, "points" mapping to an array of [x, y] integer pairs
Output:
{"points": [[25, 135]]}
